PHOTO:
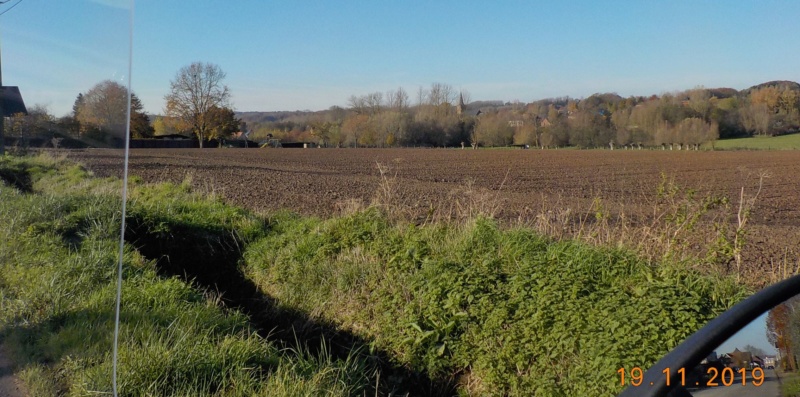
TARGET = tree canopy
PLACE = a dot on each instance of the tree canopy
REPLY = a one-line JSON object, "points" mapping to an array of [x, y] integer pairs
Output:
{"points": [[102, 111], [438, 116], [194, 92]]}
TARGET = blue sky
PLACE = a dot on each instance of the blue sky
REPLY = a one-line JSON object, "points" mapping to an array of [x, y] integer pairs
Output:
{"points": [[754, 334], [296, 55]]}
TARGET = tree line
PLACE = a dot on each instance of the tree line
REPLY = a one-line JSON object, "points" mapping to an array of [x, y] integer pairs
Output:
{"points": [[198, 104], [441, 116]]}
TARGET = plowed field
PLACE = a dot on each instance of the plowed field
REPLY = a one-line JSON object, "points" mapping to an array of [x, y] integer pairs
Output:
{"points": [[524, 182]]}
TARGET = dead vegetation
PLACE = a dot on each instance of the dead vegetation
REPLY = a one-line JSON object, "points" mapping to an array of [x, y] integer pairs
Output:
{"points": [[710, 209]]}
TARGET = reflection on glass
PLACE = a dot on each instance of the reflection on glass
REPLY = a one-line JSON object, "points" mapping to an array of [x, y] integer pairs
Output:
{"points": [[64, 78], [64, 75], [783, 332], [761, 359]]}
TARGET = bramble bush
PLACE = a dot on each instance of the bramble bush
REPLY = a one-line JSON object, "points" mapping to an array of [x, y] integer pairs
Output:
{"points": [[508, 312]]}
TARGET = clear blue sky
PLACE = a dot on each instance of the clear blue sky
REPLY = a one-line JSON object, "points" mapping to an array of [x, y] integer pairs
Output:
{"points": [[295, 55], [755, 334]]}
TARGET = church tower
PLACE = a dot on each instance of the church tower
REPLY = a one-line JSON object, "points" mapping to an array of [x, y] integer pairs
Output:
{"points": [[460, 107]]}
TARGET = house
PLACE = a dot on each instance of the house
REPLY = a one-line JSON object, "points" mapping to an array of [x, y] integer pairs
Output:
{"points": [[172, 137], [473, 110], [740, 359], [11, 101]]}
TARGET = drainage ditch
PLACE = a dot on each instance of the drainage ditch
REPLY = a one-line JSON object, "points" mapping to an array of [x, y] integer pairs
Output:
{"points": [[210, 259]]}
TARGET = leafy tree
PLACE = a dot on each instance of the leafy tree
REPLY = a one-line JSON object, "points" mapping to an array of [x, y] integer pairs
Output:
{"points": [[354, 129], [780, 321], [621, 122], [159, 127], [222, 122], [493, 130], [77, 105], [69, 124], [756, 118], [103, 110], [140, 122], [526, 134], [194, 91], [38, 121], [164, 125], [326, 132]]}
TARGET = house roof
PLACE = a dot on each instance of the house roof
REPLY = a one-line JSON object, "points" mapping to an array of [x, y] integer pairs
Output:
{"points": [[473, 112], [11, 101], [172, 136]]}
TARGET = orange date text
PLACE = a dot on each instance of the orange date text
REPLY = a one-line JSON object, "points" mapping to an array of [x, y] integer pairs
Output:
{"points": [[681, 377]]}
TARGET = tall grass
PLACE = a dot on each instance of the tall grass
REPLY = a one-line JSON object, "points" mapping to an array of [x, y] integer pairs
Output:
{"points": [[671, 224], [505, 312], [497, 310], [57, 263]]}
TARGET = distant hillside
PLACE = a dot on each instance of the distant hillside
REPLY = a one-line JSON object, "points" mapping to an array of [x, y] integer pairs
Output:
{"points": [[720, 92], [777, 83], [483, 104], [268, 117]]}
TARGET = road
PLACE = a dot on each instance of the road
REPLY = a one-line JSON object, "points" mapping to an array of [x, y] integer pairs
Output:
{"points": [[770, 388]]}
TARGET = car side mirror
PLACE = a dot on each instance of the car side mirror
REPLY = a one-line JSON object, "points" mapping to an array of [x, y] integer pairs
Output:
{"points": [[667, 376]]}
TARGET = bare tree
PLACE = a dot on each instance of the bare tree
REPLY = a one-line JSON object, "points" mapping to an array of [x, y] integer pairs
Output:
{"points": [[194, 91], [397, 100], [375, 102], [441, 94], [756, 118], [357, 104], [421, 96], [465, 96]]}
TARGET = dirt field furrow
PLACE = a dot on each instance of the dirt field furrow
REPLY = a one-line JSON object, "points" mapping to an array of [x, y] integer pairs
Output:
{"points": [[526, 182]]}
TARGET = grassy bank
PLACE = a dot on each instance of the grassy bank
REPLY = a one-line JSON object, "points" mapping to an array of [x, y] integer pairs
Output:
{"points": [[784, 142], [58, 251], [790, 384], [505, 312], [346, 305]]}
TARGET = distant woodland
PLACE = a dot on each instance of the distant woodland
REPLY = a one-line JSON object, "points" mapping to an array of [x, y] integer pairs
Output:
{"points": [[436, 116], [441, 116]]}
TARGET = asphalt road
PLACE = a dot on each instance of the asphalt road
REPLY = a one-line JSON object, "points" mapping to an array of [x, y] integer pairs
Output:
{"points": [[770, 388]]}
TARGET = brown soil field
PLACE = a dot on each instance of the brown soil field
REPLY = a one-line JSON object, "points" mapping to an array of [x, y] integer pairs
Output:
{"points": [[514, 185]]}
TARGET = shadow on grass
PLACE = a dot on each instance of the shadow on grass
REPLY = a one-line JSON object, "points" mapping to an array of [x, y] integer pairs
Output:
{"points": [[19, 177], [210, 258]]}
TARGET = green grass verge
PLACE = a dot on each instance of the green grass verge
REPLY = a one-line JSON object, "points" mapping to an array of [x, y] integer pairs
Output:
{"points": [[58, 250], [505, 312], [784, 142], [508, 312], [790, 384]]}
